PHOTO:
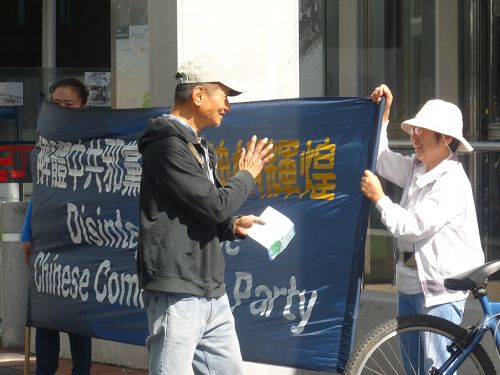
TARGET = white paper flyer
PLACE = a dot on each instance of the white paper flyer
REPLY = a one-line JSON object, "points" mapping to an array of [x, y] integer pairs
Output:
{"points": [[276, 234]]}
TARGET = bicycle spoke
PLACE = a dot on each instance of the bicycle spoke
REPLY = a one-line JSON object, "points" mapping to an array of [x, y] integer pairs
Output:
{"points": [[404, 342], [387, 361], [372, 371]]}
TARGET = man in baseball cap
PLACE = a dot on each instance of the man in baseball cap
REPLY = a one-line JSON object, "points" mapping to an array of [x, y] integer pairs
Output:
{"points": [[204, 69], [185, 213]]}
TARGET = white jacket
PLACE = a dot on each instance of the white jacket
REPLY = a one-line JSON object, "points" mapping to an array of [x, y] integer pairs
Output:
{"points": [[436, 219]]}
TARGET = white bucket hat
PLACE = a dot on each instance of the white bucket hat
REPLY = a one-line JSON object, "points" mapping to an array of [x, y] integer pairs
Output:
{"points": [[204, 69], [442, 117]]}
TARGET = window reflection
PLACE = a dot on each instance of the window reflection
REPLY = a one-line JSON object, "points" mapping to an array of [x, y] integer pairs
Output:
{"points": [[424, 49], [494, 113], [489, 192]]}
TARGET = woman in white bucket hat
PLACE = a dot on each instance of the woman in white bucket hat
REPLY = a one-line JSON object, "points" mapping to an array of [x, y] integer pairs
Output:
{"points": [[435, 224]]}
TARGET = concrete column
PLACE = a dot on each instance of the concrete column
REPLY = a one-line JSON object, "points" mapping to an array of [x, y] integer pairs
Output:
{"points": [[163, 53], [348, 48], [447, 54], [48, 42], [49, 34], [14, 274], [256, 41]]}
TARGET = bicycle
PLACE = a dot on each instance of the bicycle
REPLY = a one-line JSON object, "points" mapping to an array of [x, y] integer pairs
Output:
{"points": [[380, 351]]}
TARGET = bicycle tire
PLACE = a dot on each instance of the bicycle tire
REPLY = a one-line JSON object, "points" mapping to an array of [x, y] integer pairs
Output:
{"points": [[379, 351]]}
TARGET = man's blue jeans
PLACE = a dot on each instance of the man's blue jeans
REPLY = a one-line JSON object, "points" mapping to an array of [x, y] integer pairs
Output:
{"points": [[187, 331], [47, 352], [426, 352]]}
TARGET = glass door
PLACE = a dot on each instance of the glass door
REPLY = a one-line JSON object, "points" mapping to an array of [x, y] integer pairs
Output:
{"points": [[480, 89]]}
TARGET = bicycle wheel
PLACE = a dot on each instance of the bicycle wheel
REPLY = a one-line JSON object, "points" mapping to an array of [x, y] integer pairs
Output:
{"points": [[384, 350]]}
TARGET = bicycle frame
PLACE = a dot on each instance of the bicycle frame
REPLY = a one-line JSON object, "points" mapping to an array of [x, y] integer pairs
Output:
{"points": [[378, 350], [491, 317], [489, 322]]}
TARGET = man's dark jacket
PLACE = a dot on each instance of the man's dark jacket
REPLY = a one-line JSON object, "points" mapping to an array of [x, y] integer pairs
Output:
{"points": [[183, 215]]}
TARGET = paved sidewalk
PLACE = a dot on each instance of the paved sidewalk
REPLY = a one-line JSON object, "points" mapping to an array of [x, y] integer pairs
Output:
{"points": [[12, 363]]}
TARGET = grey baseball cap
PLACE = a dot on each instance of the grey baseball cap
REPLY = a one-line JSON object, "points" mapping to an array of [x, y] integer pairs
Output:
{"points": [[204, 69]]}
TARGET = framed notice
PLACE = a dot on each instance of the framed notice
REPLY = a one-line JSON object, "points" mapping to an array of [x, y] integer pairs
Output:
{"points": [[99, 85], [11, 94]]}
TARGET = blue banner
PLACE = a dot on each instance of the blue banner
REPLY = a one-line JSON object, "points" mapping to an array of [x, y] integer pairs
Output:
{"points": [[297, 310]]}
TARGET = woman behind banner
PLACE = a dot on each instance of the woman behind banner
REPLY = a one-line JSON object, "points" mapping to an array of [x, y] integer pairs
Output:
{"points": [[72, 93], [435, 224]]}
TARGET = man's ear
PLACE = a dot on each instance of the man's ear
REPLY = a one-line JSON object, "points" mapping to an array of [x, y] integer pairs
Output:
{"points": [[198, 95]]}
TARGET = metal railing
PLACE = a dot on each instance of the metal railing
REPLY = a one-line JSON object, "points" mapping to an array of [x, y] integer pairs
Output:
{"points": [[478, 146]]}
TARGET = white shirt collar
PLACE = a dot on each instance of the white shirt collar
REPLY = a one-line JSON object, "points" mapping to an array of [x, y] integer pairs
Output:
{"points": [[424, 178]]}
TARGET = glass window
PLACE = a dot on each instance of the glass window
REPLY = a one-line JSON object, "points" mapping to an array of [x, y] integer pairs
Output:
{"points": [[396, 45], [21, 26], [494, 111], [83, 34], [490, 121], [413, 46], [311, 50]]}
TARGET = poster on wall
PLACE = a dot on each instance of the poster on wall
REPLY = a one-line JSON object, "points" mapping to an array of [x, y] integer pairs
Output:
{"points": [[99, 86], [132, 67], [11, 94]]}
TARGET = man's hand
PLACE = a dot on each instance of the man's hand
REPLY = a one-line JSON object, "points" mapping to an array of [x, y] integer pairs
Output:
{"points": [[255, 156], [27, 251], [242, 224], [371, 187], [378, 92]]}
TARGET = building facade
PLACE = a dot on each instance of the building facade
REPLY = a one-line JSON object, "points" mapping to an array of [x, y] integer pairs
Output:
{"points": [[422, 49]]}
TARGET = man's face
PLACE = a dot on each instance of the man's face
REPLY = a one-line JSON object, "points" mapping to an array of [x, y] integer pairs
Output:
{"points": [[67, 96], [215, 104]]}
